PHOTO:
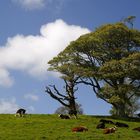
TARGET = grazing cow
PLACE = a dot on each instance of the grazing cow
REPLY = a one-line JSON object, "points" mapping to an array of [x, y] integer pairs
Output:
{"points": [[79, 129], [73, 113], [109, 130], [137, 129], [106, 121], [118, 124], [64, 116], [20, 112], [101, 125]]}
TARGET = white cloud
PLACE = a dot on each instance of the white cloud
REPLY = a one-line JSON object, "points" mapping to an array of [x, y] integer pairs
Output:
{"points": [[5, 79], [30, 53], [8, 106], [31, 97], [55, 6], [31, 4]]}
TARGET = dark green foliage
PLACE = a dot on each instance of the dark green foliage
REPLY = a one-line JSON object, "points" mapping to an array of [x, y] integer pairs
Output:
{"points": [[107, 59]]}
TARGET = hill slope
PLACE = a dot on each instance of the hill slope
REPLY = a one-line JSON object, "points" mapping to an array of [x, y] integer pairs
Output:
{"points": [[50, 127]]}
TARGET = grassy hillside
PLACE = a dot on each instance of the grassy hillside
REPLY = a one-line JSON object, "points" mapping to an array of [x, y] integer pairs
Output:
{"points": [[50, 127]]}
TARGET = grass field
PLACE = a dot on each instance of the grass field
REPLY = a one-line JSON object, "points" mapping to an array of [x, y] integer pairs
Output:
{"points": [[50, 127]]}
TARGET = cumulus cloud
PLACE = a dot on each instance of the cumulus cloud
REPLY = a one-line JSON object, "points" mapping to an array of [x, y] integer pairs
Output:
{"points": [[30, 4], [8, 106], [30, 53], [5, 79], [31, 97], [56, 5]]}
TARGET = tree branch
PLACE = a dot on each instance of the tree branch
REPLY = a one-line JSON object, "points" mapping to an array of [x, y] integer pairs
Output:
{"points": [[56, 91], [52, 94]]}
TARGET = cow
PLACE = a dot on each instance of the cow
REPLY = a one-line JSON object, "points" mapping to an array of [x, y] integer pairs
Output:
{"points": [[137, 129], [106, 121], [73, 113], [118, 124], [20, 112], [101, 125], [110, 130], [79, 129], [62, 116]]}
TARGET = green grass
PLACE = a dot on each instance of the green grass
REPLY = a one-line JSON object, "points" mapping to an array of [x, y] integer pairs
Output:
{"points": [[50, 127]]}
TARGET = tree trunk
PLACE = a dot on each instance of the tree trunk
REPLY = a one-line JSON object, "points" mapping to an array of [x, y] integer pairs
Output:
{"points": [[72, 107], [120, 110]]}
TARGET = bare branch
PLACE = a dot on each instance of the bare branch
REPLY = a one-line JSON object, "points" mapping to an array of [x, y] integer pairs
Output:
{"points": [[99, 95], [52, 94], [57, 92], [108, 82]]}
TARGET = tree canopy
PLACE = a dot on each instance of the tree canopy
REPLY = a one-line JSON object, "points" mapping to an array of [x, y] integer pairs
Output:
{"points": [[108, 59]]}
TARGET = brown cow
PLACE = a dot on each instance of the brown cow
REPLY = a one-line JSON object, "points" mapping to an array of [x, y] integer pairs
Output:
{"points": [[137, 129], [79, 129], [110, 130]]}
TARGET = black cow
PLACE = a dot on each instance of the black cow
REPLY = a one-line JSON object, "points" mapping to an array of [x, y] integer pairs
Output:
{"points": [[106, 121], [64, 116], [118, 124], [20, 112], [101, 125]]}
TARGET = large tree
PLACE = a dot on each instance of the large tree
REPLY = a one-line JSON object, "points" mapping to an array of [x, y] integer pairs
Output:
{"points": [[108, 59]]}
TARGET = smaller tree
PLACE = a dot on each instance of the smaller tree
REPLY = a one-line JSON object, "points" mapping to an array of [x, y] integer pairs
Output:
{"points": [[65, 110], [67, 97]]}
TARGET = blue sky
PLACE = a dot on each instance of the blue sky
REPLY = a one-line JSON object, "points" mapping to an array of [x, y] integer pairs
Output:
{"points": [[34, 31]]}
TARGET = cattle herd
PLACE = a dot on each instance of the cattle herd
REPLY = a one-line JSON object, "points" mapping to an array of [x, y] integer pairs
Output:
{"points": [[103, 122], [101, 125]]}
